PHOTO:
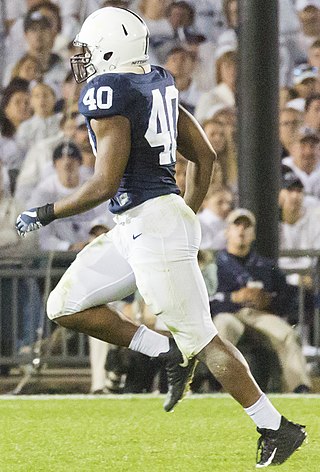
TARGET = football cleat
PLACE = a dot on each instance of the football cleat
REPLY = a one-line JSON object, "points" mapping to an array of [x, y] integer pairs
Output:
{"points": [[179, 377], [275, 447]]}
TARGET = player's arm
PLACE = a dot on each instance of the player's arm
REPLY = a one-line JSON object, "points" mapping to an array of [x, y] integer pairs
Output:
{"points": [[194, 145], [113, 149]]}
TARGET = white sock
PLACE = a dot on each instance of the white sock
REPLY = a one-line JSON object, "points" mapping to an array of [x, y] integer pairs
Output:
{"points": [[98, 353], [149, 342], [264, 414]]}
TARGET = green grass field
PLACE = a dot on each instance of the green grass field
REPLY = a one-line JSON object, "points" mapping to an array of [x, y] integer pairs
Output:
{"points": [[134, 434]]}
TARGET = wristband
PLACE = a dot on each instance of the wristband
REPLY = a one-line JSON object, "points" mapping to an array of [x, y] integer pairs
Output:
{"points": [[45, 214]]}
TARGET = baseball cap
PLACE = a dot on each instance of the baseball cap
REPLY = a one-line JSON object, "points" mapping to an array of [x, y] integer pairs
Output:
{"points": [[241, 213], [69, 149], [302, 4], [289, 179], [303, 72], [34, 20]]}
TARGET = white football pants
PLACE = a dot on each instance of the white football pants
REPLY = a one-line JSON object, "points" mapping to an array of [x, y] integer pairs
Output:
{"points": [[153, 247]]}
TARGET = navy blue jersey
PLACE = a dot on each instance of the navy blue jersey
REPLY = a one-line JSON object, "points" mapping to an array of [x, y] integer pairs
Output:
{"points": [[150, 102]]}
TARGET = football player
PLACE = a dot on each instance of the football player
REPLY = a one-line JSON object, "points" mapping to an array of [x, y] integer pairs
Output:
{"points": [[135, 126]]}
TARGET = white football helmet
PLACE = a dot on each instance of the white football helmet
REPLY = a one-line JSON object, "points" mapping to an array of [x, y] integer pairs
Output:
{"points": [[112, 39]]}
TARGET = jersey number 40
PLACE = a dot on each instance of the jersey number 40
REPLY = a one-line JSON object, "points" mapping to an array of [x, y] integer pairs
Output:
{"points": [[162, 128]]}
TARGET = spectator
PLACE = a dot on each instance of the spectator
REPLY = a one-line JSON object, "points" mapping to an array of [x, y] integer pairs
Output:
{"points": [[290, 53], [51, 11], [299, 229], [253, 294], [305, 81], [289, 50], [224, 145], [27, 68], [304, 160], [73, 13], [38, 164], [73, 233], [181, 64], [10, 243], [230, 36], [224, 92], [215, 209], [314, 54], [39, 38], [312, 115], [14, 109], [154, 14], [227, 116], [180, 16], [26, 288], [208, 18], [290, 121], [15, 41], [286, 94], [44, 122], [70, 93], [309, 17]]}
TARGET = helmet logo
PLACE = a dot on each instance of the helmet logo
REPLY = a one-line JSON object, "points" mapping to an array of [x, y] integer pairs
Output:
{"points": [[107, 55]]}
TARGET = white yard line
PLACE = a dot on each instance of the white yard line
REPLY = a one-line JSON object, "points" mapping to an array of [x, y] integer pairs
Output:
{"points": [[141, 396]]}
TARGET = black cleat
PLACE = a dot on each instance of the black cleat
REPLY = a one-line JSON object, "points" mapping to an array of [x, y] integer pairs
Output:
{"points": [[179, 377], [275, 447]]}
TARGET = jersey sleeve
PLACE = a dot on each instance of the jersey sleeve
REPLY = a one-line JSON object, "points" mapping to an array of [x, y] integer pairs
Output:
{"points": [[106, 95]]}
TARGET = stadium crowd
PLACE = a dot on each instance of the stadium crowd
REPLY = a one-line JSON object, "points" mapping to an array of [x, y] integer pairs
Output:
{"points": [[45, 152]]}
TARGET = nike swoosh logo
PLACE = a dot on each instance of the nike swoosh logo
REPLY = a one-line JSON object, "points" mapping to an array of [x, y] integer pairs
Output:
{"points": [[135, 236]]}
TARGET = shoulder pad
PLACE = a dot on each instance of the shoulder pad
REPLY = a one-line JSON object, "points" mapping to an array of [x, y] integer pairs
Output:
{"points": [[105, 95]]}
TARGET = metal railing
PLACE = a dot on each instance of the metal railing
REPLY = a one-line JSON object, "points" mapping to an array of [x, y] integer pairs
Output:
{"points": [[25, 331], [27, 335]]}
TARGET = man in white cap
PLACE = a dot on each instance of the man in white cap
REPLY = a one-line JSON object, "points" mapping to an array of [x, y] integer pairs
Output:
{"points": [[304, 160], [253, 293]]}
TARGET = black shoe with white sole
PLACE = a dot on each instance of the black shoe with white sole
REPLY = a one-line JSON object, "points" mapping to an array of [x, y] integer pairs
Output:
{"points": [[179, 377], [275, 447]]}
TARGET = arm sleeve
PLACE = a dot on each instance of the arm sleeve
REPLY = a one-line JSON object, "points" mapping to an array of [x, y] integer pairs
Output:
{"points": [[221, 301]]}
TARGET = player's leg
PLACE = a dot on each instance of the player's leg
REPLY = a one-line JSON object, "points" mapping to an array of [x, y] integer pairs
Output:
{"points": [[230, 368], [100, 275], [164, 259], [279, 437]]}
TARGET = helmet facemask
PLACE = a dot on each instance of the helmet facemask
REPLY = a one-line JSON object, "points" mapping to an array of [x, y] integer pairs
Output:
{"points": [[81, 64]]}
